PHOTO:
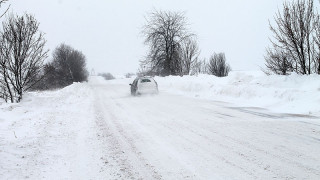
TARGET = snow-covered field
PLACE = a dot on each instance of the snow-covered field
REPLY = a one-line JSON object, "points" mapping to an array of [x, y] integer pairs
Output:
{"points": [[245, 126]]}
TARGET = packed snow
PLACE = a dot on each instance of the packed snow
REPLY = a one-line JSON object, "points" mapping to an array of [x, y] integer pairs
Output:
{"points": [[244, 126]]}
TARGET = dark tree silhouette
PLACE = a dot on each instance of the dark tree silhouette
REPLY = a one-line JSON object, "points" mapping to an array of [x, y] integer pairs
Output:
{"points": [[68, 66], [217, 65], [106, 76]]}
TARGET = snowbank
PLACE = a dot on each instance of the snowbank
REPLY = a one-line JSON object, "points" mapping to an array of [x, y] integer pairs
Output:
{"points": [[49, 134], [285, 94]]}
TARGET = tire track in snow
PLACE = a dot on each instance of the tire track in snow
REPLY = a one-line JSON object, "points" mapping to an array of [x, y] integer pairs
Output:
{"points": [[123, 153], [246, 146], [203, 149], [246, 149], [196, 146], [233, 153]]}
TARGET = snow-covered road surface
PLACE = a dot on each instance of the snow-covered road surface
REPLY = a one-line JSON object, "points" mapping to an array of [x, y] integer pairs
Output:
{"points": [[173, 137], [108, 134]]}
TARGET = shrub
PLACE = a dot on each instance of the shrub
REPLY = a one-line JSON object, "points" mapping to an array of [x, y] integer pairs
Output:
{"points": [[106, 76], [68, 66], [217, 65]]}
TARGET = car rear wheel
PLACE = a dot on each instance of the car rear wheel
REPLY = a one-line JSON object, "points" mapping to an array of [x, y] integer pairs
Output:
{"points": [[137, 93]]}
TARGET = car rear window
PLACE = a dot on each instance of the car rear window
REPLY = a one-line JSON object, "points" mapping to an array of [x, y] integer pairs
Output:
{"points": [[145, 80]]}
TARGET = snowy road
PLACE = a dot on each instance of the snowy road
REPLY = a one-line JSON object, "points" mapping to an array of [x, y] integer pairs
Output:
{"points": [[96, 130], [174, 137]]}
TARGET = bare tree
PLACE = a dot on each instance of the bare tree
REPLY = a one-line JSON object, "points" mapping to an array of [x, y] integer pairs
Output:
{"points": [[199, 67], [293, 33], [164, 33], [68, 66], [1, 3], [317, 43], [189, 55], [129, 75], [278, 61], [77, 64], [146, 69], [217, 65], [21, 55]]}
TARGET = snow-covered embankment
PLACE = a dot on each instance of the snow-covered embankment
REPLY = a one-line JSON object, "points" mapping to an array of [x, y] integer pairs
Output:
{"points": [[50, 135], [284, 94]]}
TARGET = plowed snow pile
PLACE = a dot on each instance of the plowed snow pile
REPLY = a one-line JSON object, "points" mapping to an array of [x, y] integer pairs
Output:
{"points": [[285, 94], [50, 135]]}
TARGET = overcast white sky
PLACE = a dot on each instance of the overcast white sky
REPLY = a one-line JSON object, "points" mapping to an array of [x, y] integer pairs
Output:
{"points": [[108, 31]]}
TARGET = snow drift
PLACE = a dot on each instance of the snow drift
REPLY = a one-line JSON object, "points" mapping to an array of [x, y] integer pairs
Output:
{"points": [[285, 94]]}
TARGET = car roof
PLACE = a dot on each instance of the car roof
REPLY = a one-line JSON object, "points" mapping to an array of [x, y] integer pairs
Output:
{"points": [[145, 77]]}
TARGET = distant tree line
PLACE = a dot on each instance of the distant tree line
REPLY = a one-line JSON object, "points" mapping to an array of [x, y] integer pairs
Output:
{"points": [[295, 46], [173, 49], [129, 75], [22, 56]]}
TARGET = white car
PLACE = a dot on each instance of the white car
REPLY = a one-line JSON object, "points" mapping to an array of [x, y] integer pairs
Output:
{"points": [[144, 85]]}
